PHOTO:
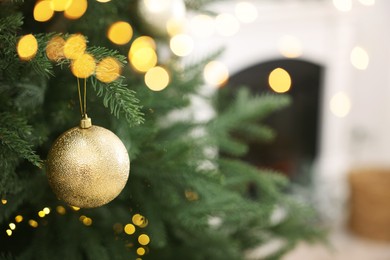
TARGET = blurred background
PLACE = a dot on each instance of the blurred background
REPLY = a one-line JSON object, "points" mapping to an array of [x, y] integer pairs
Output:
{"points": [[332, 58]]}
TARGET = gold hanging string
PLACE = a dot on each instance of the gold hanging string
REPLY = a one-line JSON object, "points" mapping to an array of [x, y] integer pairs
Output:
{"points": [[82, 99], [85, 121], [85, 98]]}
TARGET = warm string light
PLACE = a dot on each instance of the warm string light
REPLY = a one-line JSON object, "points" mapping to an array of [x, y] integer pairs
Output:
{"points": [[359, 58], [76, 9], [27, 47], [142, 54], [130, 229], [55, 49], [279, 80], [43, 11], [216, 73], [85, 220], [246, 12], [42, 214], [61, 210], [191, 195], [75, 46], [340, 104], [73, 9], [83, 64], [60, 5], [31, 222], [108, 70], [138, 221], [226, 24], [290, 46], [157, 78], [120, 32], [202, 26], [181, 45]]}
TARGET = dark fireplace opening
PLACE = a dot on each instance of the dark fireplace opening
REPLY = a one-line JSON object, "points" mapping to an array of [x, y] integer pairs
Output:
{"points": [[295, 146]]}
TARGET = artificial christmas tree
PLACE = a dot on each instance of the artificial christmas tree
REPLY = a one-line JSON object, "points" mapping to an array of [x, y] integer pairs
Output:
{"points": [[180, 201]]}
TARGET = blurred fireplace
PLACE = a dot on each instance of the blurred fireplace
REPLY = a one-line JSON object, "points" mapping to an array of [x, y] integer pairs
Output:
{"points": [[297, 126]]}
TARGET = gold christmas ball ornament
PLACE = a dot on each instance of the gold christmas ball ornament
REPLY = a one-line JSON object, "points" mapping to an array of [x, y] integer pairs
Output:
{"points": [[87, 166]]}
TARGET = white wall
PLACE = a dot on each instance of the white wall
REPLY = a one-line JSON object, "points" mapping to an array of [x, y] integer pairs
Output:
{"points": [[327, 36]]}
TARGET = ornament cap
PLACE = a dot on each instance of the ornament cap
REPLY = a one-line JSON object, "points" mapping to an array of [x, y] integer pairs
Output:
{"points": [[85, 122]]}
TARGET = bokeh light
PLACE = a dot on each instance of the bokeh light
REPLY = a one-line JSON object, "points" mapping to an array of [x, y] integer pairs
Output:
{"points": [[4, 201], [138, 219], [343, 5], [191, 195], [181, 45], [175, 26], [142, 42], [202, 26], [33, 223], [359, 58], [227, 24], [61, 210], [60, 5], [12, 226], [84, 66], [103, 1], [279, 80], [87, 221], [108, 70], [9, 232], [141, 251], [142, 55], [75, 46], [246, 12], [41, 214], [290, 46], [120, 32], [143, 239], [340, 104], [46, 210], [18, 218], [216, 73], [43, 11], [156, 6], [27, 47], [129, 229], [157, 78], [143, 59], [76, 9], [55, 48]]}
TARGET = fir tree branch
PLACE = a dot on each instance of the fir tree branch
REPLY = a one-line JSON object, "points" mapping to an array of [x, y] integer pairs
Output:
{"points": [[99, 53], [242, 118], [22, 147], [15, 134], [120, 100]]}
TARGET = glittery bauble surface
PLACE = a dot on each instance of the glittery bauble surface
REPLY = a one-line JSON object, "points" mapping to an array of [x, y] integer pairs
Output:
{"points": [[89, 167]]}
